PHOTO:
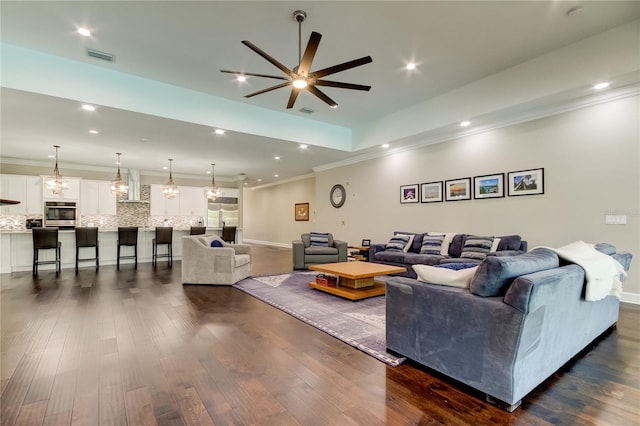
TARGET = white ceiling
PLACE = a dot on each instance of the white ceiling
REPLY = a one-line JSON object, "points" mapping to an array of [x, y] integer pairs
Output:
{"points": [[186, 43]]}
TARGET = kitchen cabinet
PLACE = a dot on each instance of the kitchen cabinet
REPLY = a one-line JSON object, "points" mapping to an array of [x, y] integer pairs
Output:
{"points": [[96, 198], [160, 206], [71, 193], [26, 189], [193, 201]]}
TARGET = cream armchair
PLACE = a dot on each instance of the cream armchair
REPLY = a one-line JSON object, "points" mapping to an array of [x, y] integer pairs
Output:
{"points": [[203, 264]]}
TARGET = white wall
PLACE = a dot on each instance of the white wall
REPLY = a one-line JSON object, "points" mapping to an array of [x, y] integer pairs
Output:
{"points": [[591, 159]]}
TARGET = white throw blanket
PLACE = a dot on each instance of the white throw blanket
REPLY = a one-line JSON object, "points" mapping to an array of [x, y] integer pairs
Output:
{"points": [[603, 273]]}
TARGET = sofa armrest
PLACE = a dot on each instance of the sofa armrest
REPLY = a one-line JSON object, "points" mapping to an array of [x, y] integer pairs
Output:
{"points": [[342, 250], [240, 248], [298, 254], [375, 248], [505, 253]]}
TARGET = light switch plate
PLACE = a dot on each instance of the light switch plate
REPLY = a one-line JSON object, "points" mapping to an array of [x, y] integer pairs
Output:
{"points": [[619, 219]]}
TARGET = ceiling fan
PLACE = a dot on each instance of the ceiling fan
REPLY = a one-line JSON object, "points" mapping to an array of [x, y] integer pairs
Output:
{"points": [[300, 77]]}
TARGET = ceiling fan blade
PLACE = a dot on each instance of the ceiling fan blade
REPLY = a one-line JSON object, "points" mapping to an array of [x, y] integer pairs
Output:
{"points": [[268, 89], [341, 85], [341, 67], [293, 97], [318, 93], [254, 74], [268, 57], [309, 53]]}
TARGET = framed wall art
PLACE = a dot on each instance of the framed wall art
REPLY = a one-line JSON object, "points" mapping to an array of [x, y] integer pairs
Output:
{"points": [[302, 211], [431, 192], [457, 189], [409, 194], [488, 186], [526, 182]]}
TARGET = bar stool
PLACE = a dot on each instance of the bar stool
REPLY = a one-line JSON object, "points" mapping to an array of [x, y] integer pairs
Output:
{"points": [[197, 230], [45, 239], [164, 235], [87, 237], [229, 234], [128, 236]]}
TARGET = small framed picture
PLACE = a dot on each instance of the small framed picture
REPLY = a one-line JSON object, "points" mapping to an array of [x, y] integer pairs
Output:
{"points": [[526, 182], [457, 189], [431, 192], [409, 194], [302, 211], [488, 186], [366, 243]]}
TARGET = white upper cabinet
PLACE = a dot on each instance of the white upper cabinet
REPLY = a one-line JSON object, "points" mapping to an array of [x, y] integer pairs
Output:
{"points": [[26, 189], [71, 193], [193, 201], [96, 198], [160, 206]]}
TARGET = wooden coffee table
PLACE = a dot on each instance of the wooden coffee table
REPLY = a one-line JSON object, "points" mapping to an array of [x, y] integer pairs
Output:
{"points": [[356, 279]]}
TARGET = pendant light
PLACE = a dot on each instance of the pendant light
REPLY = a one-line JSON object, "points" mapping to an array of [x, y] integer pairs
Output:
{"points": [[55, 182], [170, 189], [212, 193], [119, 186]]}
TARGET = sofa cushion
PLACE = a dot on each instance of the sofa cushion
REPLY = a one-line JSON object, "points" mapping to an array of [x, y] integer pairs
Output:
{"points": [[400, 243], [319, 239], [457, 242], [396, 257], [425, 259], [432, 244], [495, 274], [445, 276], [510, 242], [417, 241], [448, 236], [476, 247], [316, 250]]}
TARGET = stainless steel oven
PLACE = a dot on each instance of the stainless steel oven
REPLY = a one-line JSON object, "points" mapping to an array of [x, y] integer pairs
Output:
{"points": [[61, 214]]}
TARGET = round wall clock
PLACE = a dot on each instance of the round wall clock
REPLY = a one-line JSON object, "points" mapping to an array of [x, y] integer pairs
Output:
{"points": [[337, 196]]}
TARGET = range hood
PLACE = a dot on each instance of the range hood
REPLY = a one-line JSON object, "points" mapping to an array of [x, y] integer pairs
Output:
{"points": [[134, 188]]}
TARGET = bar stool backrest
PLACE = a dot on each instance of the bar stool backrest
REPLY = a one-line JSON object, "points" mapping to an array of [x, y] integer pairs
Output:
{"points": [[164, 234], [197, 230], [86, 237], [128, 236], [45, 238]]}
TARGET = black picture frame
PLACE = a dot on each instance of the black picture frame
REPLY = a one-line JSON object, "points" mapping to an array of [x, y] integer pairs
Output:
{"points": [[488, 186], [409, 194], [366, 243], [526, 182], [431, 192], [457, 189]]}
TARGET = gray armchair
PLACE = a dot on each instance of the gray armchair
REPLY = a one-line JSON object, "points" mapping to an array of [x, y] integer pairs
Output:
{"points": [[305, 254], [203, 264]]}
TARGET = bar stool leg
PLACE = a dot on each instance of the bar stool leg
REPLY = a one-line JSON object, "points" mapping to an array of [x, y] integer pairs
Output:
{"points": [[97, 258], [118, 261]]}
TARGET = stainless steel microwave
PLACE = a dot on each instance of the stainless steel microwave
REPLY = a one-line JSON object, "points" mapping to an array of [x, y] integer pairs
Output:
{"points": [[61, 214]]}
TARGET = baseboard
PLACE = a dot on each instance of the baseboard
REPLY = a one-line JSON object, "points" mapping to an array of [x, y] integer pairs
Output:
{"points": [[630, 298], [268, 243]]}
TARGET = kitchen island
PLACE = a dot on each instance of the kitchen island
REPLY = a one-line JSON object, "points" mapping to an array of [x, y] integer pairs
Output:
{"points": [[16, 248]]}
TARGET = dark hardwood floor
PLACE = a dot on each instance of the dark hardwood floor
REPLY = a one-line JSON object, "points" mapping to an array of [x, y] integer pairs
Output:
{"points": [[136, 347]]}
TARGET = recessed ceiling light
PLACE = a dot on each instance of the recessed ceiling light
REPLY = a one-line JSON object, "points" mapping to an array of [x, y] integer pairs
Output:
{"points": [[51, 156], [241, 78], [259, 180], [84, 32], [385, 145], [88, 107], [411, 66], [165, 168], [276, 158], [465, 123], [303, 146], [208, 172], [93, 132], [219, 132], [601, 86], [275, 175]]}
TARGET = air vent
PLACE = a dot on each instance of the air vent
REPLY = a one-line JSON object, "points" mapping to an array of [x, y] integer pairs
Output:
{"points": [[307, 110], [101, 55]]}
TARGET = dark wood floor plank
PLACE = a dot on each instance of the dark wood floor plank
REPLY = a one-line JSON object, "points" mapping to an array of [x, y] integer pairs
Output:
{"points": [[135, 347]]}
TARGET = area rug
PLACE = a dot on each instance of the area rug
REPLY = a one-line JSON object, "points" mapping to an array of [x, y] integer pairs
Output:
{"points": [[360, 324]]}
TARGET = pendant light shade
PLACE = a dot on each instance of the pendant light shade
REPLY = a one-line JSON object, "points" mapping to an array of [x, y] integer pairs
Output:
{"points": [[55, 182], [170, 189], [212, 193], [119, 186]]}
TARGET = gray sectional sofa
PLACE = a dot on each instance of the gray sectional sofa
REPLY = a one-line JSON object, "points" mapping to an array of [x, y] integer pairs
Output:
{"points": [[522, 318], [508, 245]]}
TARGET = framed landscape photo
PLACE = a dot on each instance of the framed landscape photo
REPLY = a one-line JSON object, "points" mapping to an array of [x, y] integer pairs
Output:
{"points": [[457, 189], [302, 211], [526, 182], [488, 186], [431, 192], [409, 194]]}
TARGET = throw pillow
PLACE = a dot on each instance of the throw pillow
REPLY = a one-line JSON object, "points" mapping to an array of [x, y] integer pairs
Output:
{"points": [[448, 236], [456, 266], [399, 243], [216, 243], [476, 247], [510, 242], [432, 244], [495, 274], [495, 245], [320, 239], [444, 276]]}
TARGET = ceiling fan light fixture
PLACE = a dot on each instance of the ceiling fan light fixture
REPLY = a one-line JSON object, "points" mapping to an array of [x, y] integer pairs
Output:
{"points": [[241, 78], [299, 83]]}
